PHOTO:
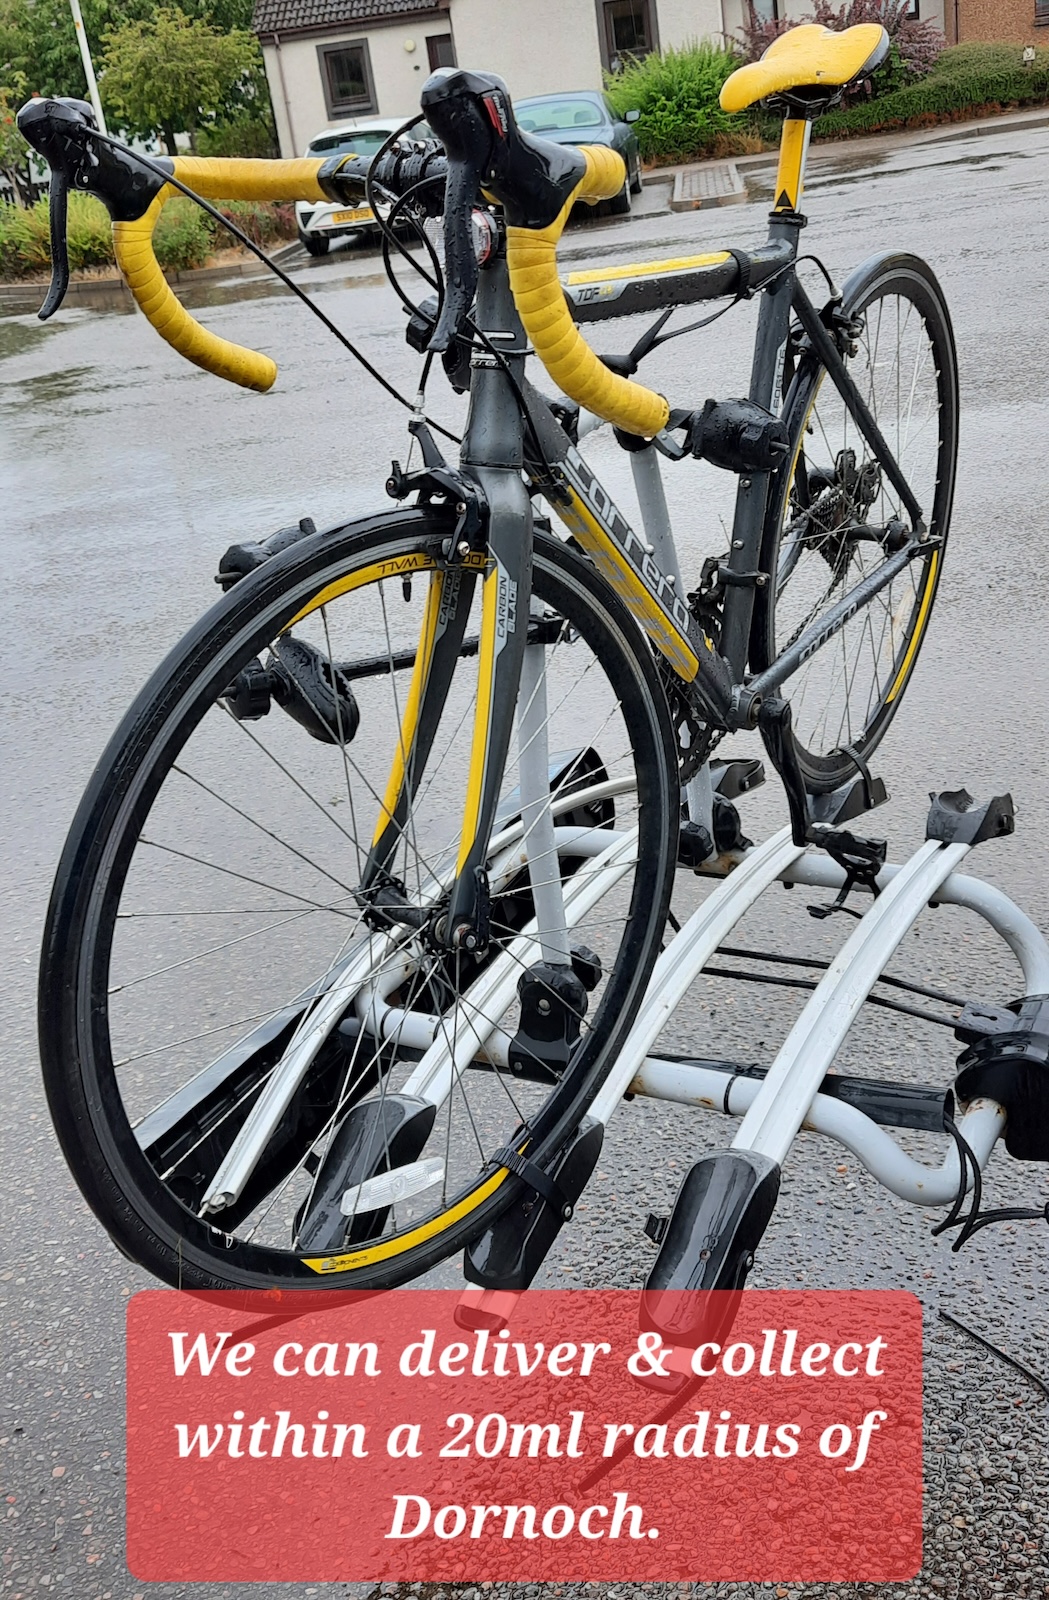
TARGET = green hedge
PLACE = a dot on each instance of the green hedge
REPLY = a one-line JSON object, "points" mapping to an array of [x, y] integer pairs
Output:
{"points": [[677, 96], [967, 79], [185, 236]]}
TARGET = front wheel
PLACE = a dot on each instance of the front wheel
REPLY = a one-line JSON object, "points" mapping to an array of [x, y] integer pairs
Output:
{"points": [[834, 517], [619, 205], [257, 1078]]}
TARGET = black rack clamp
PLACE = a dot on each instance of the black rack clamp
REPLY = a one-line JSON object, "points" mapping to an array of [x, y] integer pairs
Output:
{"points": [[509, 1253], [1007, 1060], [954, 818]]}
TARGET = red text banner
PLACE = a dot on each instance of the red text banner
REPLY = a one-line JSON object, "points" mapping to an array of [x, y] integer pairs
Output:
{"points": [[319, 1438]]}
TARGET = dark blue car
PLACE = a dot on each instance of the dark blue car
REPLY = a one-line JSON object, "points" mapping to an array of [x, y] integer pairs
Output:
{"points": [[586, 118]]}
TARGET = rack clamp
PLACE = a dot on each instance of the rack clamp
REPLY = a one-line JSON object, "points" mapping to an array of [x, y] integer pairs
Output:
{"points": [[954, 818]]}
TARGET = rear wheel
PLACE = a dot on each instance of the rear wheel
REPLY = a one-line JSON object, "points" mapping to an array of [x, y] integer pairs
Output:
{"points": [[209, 975], [834, 517]]}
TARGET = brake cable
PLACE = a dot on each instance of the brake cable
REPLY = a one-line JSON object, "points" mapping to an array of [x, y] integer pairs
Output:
{"points": [[278, 271]]}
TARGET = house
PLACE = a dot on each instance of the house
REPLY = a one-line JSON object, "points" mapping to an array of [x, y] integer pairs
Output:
{"points": [[331, 60]]}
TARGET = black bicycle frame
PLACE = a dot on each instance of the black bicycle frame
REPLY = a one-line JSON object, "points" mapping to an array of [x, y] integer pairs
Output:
{"points": [[512, 433]]}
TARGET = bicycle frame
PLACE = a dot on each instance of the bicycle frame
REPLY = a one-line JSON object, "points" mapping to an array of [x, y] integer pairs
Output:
{"points": [[642, 569]]}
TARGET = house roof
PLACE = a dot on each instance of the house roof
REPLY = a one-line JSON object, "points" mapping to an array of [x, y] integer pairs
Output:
{"points": [[297, 16]]}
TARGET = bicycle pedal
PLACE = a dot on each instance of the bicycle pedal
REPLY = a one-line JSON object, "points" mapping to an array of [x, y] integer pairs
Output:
{"points": [[731, 779]]}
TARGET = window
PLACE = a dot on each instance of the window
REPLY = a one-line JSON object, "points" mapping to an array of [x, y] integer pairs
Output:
{"points": [[767, 10], [1041, 12], [346, 75], [441, 51], [558, 113], [627, 28], [913, 9]]}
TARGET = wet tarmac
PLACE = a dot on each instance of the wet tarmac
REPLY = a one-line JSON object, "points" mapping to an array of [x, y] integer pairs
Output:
{"points": [[125, 475]]}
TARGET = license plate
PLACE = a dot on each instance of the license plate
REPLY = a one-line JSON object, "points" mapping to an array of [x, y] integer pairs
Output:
{"points": [[359, 214]]}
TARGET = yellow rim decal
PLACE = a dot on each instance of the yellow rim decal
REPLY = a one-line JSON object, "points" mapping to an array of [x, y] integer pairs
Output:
{"points": [[648, 269], [916, 636], [405, 1241], [396, 567], [410, 720], [482, 714]]}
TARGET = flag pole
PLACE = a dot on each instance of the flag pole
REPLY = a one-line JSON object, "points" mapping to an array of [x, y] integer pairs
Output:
{"points": [[89, 71]]}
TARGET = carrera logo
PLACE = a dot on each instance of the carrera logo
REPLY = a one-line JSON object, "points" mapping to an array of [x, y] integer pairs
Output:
{"points": [[611, 519]]}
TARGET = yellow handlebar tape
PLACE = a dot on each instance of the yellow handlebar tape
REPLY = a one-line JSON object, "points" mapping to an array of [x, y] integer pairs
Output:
{"points": [[215, 179], [531, 255]]}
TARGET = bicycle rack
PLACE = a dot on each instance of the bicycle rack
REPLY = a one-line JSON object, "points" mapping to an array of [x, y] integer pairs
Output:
{"points": [[795, 1092]]}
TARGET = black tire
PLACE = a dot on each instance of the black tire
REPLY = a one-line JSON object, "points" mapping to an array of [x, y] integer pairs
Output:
{"points": [[848, 690], [317, 244], [619, 205], [170, 821], [635, 181]]}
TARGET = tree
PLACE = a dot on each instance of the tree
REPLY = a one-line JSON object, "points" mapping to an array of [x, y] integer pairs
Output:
{"points": [[174, 73], [13, 148]]}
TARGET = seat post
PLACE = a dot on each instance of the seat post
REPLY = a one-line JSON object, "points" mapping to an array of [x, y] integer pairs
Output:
{"points": [[793, 149]]}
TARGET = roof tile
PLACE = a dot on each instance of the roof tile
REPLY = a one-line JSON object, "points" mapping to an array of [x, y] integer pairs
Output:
{"points": [[293, 16]]}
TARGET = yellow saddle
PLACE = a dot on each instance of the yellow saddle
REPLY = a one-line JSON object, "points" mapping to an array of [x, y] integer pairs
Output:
{"points": [[807, 62]]}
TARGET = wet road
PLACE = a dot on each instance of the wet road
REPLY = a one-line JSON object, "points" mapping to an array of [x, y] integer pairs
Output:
{"points": [[125, 474]]}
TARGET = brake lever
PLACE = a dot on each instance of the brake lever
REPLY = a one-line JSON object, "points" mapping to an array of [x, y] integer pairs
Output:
{"points": [[58, 209], [460, 258]]}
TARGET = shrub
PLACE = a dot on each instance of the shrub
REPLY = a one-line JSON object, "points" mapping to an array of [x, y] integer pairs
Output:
{"points": [[185, 236], [757, 33], [677, 95], [264, 224], [967, 79], [917, 44]]}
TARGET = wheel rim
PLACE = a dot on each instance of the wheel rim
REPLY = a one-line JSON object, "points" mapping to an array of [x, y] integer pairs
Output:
{"points": [[843, 695], [207, 824]]}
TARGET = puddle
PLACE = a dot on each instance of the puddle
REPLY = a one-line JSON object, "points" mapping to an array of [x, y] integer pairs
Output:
{"points": [[18, 336]]}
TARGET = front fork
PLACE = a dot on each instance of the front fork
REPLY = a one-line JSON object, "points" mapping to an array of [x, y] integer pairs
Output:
{"points": [[510, 671]]}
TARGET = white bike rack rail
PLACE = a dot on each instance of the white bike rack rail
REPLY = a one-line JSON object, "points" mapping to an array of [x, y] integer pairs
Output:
{"points": [[788, 1099]]}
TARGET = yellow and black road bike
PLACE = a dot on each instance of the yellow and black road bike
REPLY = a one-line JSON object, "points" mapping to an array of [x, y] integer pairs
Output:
{"points": [[368, 887]]}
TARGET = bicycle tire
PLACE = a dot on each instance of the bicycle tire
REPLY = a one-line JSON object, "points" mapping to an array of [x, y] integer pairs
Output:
{"points": [[842, 702], [83, 994]]}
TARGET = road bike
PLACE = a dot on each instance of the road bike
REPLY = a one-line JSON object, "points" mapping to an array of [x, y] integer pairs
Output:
{"points": [[366, 894]]}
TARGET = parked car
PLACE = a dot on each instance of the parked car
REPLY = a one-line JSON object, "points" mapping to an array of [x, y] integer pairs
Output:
{"points": [[320, 224], [586, 117]]}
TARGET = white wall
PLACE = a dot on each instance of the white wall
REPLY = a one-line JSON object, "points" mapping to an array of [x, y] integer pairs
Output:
{"points": [[682, 20], [398, 75], [537, 46]]}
